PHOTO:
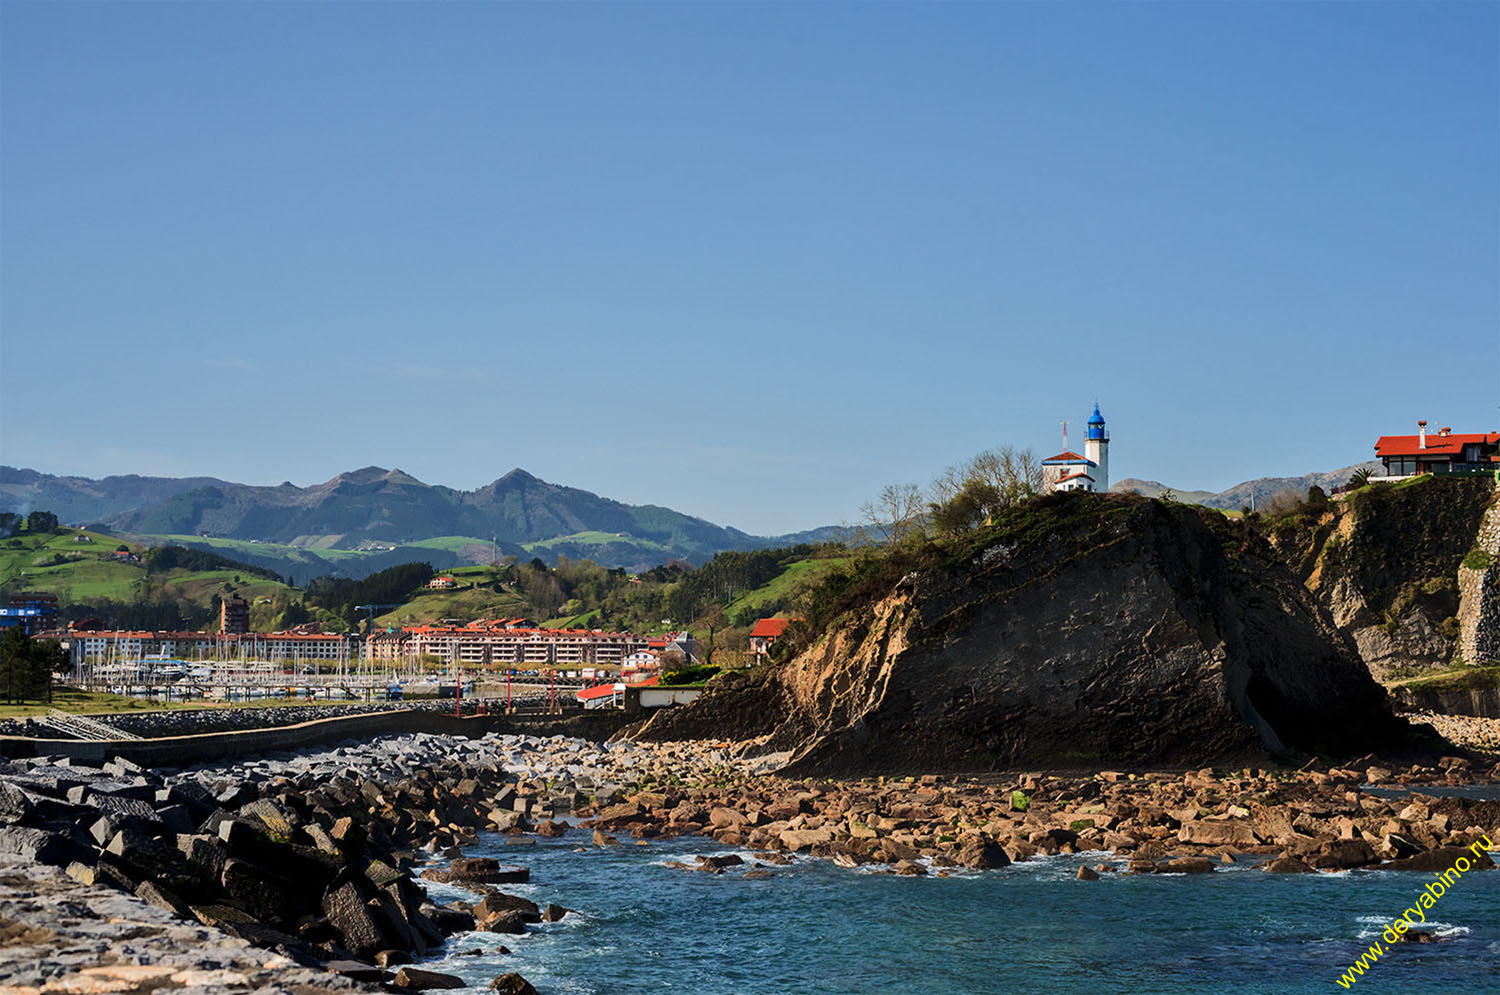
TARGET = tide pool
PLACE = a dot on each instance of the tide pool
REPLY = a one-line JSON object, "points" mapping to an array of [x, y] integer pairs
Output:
{"points": [[814, 927]]}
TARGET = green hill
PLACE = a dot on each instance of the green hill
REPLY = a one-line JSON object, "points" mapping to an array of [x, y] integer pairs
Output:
{"points": [[88, 572]]}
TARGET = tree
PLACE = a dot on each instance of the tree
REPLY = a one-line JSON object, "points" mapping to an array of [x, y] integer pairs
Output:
{"points": [[974, 492], [10, 524], [41, 521], [27, 665], [897, 512]]}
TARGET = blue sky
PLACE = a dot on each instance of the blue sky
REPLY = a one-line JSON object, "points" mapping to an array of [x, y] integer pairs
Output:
{"points": [[752, 261]]}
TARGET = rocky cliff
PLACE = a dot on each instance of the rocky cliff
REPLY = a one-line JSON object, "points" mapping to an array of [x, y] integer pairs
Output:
{"points": [[1406, 570], [1080, 630]]}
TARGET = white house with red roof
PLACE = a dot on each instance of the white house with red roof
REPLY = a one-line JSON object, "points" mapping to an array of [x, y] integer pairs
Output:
{"points": [[766, 632], [1068, 471], [1440, 452]]}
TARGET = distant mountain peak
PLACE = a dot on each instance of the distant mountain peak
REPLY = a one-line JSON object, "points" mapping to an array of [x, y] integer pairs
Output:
{"points": [[364, 475]]}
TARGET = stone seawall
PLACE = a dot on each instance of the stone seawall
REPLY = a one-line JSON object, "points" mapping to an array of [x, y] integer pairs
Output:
{"points": [[184, 751], [1479, 597]]}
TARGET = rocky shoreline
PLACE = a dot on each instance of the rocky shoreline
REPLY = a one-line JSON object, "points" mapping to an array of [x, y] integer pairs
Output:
{"points": [[318, 859]]}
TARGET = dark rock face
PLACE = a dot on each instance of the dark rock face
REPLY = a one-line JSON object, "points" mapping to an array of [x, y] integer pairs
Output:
{"points": [[1092, 629]]}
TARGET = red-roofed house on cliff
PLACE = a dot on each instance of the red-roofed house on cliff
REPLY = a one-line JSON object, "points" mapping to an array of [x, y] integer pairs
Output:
{"points": [[1438, 452], [766, 632]]}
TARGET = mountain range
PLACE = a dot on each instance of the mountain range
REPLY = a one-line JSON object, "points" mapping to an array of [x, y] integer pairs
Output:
{"points": [[1248, 493], [368, 519], [373, 509]]}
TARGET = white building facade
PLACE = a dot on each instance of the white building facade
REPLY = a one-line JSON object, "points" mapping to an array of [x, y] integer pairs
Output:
{"points": [[1068, 471]]}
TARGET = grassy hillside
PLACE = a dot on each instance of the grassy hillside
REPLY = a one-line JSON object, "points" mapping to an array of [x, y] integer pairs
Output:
{"points": [[79, 567], [57, 564], [303, 562], [777, 595], [474, 598]]}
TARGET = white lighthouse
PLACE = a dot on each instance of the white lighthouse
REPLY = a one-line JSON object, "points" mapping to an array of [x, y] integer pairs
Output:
{"points": [[1096, 449]]}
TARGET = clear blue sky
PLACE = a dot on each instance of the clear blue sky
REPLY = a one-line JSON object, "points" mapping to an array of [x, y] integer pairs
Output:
{"points": [[752, 261]]}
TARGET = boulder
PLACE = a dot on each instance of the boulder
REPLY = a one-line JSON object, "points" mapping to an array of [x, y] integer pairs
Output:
{"points": [[804, 839], [417, 980], [499, 901], [512, 921], [357, 971], [1286, 864], [41, 845], [1440, 859], [724, 860], [1228, 832], [347, 912], [512, 984], [1087, 874], [1186, 865], [980, 853], [1337, 855]]}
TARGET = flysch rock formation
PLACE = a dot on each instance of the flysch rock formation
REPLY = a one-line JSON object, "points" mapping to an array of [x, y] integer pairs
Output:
{"points": [[1387, 562], [1084, 630]]}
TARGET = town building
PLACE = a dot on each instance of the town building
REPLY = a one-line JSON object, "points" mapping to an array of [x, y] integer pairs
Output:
{"points": [[501, 644], [1439, 452], [442, 584], [31, 613], [1068, 471], [101, 645], [234, 615]]}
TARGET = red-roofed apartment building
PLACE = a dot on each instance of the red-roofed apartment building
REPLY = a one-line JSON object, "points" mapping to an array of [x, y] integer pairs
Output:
{"points": [[1441, 452]]}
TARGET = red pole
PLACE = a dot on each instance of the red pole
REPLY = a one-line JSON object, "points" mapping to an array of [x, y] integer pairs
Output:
{"points": [[551, 690]]}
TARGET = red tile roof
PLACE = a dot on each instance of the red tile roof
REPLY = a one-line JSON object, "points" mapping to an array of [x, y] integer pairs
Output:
{"points": [[769, 628], [601, 691], [1074, 475], [1437, 445], [1068, 456]]}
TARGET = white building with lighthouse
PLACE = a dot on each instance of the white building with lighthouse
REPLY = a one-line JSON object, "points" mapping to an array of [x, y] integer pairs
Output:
{"points": [[1068, 471]]}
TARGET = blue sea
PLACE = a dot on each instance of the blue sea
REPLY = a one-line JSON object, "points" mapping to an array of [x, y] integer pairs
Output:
{"points": [[814, 927]]}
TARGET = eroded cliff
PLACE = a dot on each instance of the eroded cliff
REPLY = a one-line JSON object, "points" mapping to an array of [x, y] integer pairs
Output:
{"points": [[1080, 630], [1389, 564]]}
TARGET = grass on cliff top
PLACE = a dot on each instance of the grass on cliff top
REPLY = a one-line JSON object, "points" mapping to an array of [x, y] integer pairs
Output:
{"points": [[79, 702], [1460, 678]]}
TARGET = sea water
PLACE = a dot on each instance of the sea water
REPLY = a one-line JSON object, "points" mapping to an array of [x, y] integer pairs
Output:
{"points": [[643, 926]]}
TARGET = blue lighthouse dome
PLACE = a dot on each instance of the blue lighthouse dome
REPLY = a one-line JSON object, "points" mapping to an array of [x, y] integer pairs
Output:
{"points": [[1096, 424]]}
